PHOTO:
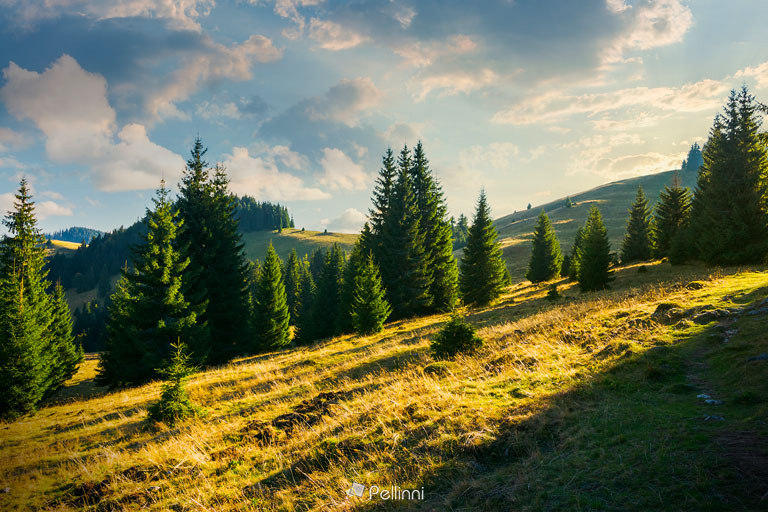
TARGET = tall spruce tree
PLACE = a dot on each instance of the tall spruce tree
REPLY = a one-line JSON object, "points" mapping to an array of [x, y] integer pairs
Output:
{"points": [[546, 258], [637, 240], [344, 323], [291, 277], [442, 271], [36, 349], [729, 216], [65, 353], [326, 302], [482, 272], [218, 271], [578, 244], [382, 198], [594, 254], [370, 308], [149, 312], [272, 314], [303, 322], [671, 214], [403, 264]]}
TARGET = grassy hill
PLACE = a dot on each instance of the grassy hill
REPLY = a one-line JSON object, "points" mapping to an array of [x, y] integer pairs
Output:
{"points": [[613, 199], [63, 246], [305, 242], [591, 403]]}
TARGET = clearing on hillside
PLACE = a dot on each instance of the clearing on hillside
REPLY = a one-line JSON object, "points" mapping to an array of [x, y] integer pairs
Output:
{"points": [[653, 394]]}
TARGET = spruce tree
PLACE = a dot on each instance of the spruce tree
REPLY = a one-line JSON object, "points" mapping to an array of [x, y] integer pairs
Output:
{"points": [[370, 308], [326, 302], [482, 272], [291, 277], [28, 361], [546, 258], [382, 197], [637, 240], [578, 244], [303, 322], [272, 315], [403, 265], [65, 353], [175, 405], [595, 254], [149, 311], [671, 214], [218, 268], [344, 323], [442, 271], [729, 216]]}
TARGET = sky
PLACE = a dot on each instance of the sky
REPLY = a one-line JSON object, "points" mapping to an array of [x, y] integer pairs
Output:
{"points": [[299, 99]]}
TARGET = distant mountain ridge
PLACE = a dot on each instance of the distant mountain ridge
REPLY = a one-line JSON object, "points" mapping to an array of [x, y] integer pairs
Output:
{"points": [[75, 234]]}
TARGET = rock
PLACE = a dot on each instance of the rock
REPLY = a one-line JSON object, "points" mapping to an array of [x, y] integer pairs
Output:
{"points": [[668, 312], [713, 418], [695, 285], [713, 402], [713, 314], [702, 396], [760, 357], [5, 490]]}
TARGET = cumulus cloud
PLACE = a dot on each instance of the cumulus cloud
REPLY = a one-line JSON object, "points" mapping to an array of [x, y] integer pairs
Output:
{"points": [[260, 176], [450, 83], [216, 62], [496, 156], [758, 73], [180, 14], [333, 36], [345, 101], [423, 53], [650, 24], [555, 106], [350, 221], [43, 209], [69, 106], [340, 172], [10, 139], [403, 133]]}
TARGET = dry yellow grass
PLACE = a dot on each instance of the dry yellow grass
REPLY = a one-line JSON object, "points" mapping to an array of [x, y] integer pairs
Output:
{"points": [[391, 422]]}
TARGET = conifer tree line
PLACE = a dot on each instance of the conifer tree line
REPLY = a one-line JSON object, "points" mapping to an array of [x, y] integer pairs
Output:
{"points": [[724, 221], [37, 350]]}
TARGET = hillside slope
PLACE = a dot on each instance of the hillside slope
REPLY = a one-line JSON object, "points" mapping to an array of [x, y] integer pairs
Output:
{"points": [[613, 199], [592, 403], [305, 242]]}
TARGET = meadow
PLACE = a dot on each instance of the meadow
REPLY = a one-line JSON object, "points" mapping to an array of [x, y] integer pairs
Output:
{"points": [[591, 402]]}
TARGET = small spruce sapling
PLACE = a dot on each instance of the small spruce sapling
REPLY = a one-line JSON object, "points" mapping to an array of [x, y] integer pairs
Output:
{"points": [[175, 405]]}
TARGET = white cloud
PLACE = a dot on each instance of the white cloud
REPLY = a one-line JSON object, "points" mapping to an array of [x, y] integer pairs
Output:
{"points": [[350, 221], [340, 172], [289, 158], [651, 24], [555, 105], [218, 62], [496, 156], [403, 133], [289, 9], [180, 14], [450, 83], [345, 101], [43, 209], [10, 139], [419, 54], [52, 194], [69, 105], [334, 37], [640, 120], [759, 73], [208, 110], [259, 176]]}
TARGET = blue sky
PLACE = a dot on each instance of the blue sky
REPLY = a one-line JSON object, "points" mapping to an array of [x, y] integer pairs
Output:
{"points": [[101, 99]]}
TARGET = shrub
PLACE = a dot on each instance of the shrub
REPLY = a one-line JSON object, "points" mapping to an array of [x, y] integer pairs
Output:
{"points": [[457, 336], [553, 293], [642, 269], [174, 405]]}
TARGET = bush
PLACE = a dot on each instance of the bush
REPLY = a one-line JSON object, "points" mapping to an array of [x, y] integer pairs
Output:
{"points": [[174, 405], [553, 293], [642, 269], [457, 336]]}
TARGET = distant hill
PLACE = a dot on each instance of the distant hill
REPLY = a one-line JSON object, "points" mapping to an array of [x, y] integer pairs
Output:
{"points": [[75, 234], [305, 242], [613, 199]]}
